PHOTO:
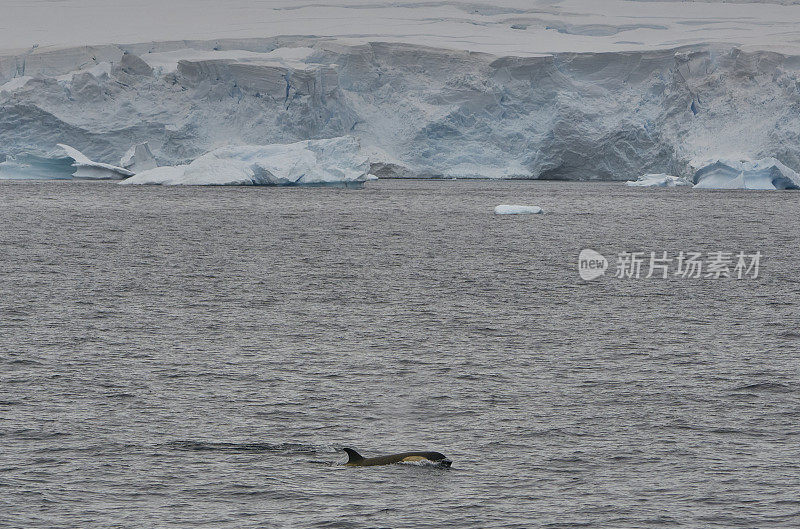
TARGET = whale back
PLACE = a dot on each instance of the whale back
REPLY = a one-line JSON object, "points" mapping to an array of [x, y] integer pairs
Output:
{"points": [[356, 459]]}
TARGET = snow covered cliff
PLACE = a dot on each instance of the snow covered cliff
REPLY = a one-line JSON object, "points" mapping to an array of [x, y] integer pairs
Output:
{"points": [[545, 109]]}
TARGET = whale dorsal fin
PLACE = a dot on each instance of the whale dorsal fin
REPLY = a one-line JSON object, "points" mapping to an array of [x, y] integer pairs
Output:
{"points": [[352, 456]]}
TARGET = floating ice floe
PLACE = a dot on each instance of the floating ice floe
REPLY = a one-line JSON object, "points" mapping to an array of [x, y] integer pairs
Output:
{"points": [[659, 180], [336, 161], [86, 168], [764, 174], [505, 209]]}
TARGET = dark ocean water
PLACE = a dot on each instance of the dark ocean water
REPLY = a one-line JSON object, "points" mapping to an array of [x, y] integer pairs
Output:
{"points": [[193, 357]]}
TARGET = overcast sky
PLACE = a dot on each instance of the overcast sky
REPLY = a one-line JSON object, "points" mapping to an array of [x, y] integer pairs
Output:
{"points": [[479, 25]]}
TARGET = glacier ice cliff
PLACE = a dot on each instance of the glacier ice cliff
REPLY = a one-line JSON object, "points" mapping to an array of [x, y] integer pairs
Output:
{"points": [[336, 161], [416, 110]]}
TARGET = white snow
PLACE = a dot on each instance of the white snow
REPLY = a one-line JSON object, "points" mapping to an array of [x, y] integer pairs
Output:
{"points": [[764, 174], [659, 180], [86, 168], [335, 161], [505, 209]]}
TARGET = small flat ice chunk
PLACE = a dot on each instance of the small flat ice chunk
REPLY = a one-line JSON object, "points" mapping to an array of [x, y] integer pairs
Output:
{"points": [[505, 209], [764, 174], [659, 180], [86, 168], [335, 161]]}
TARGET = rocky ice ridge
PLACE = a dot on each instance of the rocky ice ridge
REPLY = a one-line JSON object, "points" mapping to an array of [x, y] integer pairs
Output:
{"points": [[656, 97]]}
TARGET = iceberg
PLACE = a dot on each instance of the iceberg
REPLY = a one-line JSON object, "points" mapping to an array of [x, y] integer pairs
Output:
{"points": [[659, 180], [138, 158], [335, 161], [71, 163], [86, 168], [505, 209], [763, 174], [32, 167]]}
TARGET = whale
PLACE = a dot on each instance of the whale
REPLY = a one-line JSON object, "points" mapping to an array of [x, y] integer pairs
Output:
{"points": [[354, 459]]}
